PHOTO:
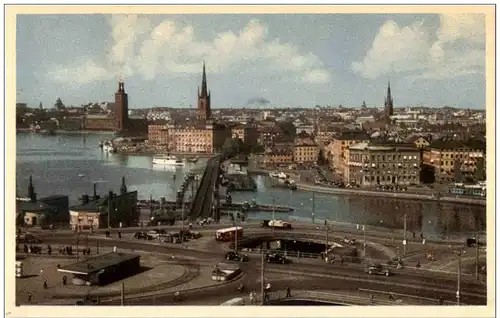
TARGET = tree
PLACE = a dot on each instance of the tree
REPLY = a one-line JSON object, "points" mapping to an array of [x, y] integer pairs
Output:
{"points": [[480, 173], [59, 105], [457, 170], [288, 129], [321, 157]]}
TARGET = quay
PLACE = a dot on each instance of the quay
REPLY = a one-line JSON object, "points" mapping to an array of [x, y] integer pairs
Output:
{"points": [[237, 206]]}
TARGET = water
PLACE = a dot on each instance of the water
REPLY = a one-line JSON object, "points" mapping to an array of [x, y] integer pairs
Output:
{"points": [[70, 164]]}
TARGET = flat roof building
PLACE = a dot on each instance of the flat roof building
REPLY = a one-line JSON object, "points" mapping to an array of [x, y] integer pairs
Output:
{"points": [[103, 269]]}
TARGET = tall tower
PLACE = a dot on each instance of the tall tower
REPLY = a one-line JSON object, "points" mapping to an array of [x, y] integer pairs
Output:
{"points": [[204, 111], [121, 108], [31, 191], [388, 106]]}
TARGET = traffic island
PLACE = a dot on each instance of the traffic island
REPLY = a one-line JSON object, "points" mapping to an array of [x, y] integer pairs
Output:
{"points": [[156, 273]]}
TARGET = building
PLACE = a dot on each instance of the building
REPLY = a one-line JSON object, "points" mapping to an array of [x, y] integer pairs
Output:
{"points": [[158, 134], [337, 150], [99, 123], [383, 164], [103, 269], [121, 123], [247, 133], [204, 97], [443, 156], [198, 137], [305, 151], [43, 211], [72, 123], [94, 212], [419, 141], [277, 157]]}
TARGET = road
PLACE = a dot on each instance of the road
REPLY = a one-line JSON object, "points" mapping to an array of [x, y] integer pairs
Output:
{"points": [[313, 276], [202, 203]]}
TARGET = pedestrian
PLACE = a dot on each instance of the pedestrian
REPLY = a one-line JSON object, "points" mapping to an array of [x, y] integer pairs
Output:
{"points": [[441, 301], [371, 298], [45, 285], [49, 249], [342, 260], [251, 297], [418, 264], [391, 296], [288, 292], [29, 297], [64, 280], [413, 234], [41, 271], [114, 248], [119, 235]]}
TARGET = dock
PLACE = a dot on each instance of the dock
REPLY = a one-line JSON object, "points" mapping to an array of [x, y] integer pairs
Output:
{"points": [[235, 207]]}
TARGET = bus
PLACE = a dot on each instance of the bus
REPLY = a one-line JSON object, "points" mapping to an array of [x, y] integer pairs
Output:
{"points": [[228, 234]]}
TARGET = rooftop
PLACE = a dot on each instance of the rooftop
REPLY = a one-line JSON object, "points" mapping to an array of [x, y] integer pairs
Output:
{"points": [[97, 263], [354, 135], [34, 206]]}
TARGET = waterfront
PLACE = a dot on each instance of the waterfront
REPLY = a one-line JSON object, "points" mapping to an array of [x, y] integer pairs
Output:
{"points": [[69, 164]]}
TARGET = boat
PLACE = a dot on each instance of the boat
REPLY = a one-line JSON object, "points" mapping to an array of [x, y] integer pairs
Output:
{"points": [[274, 174], [282, 175], [108, 147], [192, 159], [168, 161]]}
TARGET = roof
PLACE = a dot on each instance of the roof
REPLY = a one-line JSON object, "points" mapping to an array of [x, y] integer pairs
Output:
{"points": [[455, 144], [353, 135], [34, 206], [92, 205], [54, 197], [98, 263]]}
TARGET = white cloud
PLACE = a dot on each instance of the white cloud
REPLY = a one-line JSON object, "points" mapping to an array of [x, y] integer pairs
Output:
{"points": [[456, 49], [78, 74], [148, 50]]}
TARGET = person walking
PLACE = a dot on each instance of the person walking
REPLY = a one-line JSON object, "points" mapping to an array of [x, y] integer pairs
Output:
{"points": [[30, 296], [391, 296], [288, 292]]}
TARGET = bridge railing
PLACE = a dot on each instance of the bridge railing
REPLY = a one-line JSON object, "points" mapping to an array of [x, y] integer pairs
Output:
{"points": [[403, 296]]}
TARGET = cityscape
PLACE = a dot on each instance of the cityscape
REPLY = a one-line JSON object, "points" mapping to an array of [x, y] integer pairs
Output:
{"points": [[261, 203]]}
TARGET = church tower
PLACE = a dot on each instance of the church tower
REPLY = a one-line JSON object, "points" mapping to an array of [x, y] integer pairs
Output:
{"points": [[204, 110], [121, 108], [388, 105]]}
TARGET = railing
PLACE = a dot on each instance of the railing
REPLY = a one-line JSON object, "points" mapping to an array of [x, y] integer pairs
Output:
{"points": [[432, 300]]}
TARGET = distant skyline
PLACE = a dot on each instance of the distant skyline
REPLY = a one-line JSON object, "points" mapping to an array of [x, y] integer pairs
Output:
{"points": [[277, 60]]}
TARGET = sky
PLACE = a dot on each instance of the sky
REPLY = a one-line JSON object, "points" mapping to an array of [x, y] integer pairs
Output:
{"points": [[253, 60]]}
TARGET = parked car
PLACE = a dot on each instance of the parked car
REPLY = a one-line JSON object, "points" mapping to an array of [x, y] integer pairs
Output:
{"points": [[235, 256], [349, 241], [276, 258], [377, 269]]}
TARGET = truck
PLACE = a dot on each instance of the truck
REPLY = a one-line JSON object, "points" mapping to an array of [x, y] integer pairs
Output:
{"points": [[278, 224]]}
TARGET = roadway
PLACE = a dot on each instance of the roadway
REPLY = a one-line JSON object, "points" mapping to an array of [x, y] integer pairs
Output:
{"points": [[314, 276], [202, 203]]}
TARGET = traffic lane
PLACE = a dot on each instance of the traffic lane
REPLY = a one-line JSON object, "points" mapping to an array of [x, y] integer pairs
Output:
{"points": [[228, 291], [398, 278], [214, 255]]}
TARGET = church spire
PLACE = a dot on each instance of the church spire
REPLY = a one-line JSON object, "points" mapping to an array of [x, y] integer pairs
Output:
{"points": [[204, 90], [31, 190], [389, 97], [123, 188]]}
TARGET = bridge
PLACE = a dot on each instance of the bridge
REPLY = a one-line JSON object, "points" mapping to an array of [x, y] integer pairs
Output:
{"points": [[201, 206]]}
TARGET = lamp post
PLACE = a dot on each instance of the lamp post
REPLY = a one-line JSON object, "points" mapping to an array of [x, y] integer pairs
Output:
{"points": [[313, 204], [459, 275]]}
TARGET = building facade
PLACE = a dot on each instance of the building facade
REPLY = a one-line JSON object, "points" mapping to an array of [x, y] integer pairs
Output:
{"points": [[373, 164], [442, 156], [305, 151], [99, 123], [338, 149], [247, 133], [277, 157]]}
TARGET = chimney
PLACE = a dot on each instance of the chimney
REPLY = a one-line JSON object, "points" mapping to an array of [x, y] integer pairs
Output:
{"points": [[85, 199], [95, 191]]}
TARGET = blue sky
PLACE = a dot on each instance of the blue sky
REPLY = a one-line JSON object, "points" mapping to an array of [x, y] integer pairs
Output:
{"points": [[290, 60]]}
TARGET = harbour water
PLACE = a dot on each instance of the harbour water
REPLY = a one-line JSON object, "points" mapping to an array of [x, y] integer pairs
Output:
{"points": [[70, 164]]}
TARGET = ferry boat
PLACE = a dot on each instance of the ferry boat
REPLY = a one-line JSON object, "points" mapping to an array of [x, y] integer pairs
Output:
{"points": [[168, 160]]}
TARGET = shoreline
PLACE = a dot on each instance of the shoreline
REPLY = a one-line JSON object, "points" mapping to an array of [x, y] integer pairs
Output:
{"points": [[393, 195], [370, 193]]}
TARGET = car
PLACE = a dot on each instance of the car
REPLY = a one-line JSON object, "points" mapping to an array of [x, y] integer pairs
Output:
{"points": [[349, 241], [377, 269], [235, 256], [276, 258]]}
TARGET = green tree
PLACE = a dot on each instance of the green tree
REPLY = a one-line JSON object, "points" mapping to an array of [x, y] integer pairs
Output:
{"points": [[480, 173], [457, 170], [59, 105]]}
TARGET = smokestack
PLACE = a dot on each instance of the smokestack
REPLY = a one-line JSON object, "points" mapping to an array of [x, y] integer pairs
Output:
{"points": [[95, 191]]}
